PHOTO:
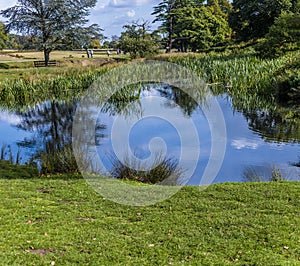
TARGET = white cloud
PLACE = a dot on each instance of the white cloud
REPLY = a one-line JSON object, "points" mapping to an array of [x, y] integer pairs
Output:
{"points": [[142, 2], [121, 3], [9, 118], [129, 3], [245, 144], [130, 13], [5, 4], [101, 5], [111, 15]]}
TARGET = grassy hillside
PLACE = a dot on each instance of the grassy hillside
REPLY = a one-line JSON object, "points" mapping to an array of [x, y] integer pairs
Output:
{"points": [[62, 221]]}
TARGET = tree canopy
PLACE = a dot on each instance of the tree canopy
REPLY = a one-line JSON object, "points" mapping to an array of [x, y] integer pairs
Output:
{"points": [[200, 28], [193, 24], [137, 41], [54, 24], [283, 36], [3, 36], [252, 19]]}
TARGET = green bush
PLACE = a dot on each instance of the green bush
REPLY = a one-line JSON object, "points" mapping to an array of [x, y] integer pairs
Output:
{"points": [[12, 171], [164, 171], [58, 162], [4, 66], [283, 36]]}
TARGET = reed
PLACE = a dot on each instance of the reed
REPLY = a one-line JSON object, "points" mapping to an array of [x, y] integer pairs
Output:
{"points": [[21, 93], [239, 73], [6, 154], [164, 171], [269, 174], [60, 161]]}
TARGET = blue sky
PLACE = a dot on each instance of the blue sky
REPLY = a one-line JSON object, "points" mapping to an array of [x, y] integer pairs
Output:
{"points": [[111, 15]]}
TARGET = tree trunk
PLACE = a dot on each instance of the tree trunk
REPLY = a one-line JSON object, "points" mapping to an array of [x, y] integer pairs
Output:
{"points": [[170, 39], [47, 56]]}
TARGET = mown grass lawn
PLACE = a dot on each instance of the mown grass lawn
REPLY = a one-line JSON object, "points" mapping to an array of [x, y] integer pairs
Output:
{"points": [[62, 221]]}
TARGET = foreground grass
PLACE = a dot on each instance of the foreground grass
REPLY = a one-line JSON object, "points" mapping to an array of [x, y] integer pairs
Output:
{"points": [[63, 221]]}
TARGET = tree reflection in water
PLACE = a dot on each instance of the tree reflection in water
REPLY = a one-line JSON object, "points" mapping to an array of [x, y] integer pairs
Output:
{"points": [[51, 122], [51, 125]]}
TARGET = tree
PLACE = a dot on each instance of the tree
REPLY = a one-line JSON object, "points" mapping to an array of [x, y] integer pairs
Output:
{"points": [[56, 24], [137, 41], [95, 44], [201, 27], [114, 41], [3, 37], [165, 12], [52, 142], [283, 36], [193, 24], [252, 19], [105, 44], [221, 6]]}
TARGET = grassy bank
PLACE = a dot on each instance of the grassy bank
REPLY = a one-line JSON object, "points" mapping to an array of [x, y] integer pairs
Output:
{"points": [[63, 221], [274, 80], [254, 81]]}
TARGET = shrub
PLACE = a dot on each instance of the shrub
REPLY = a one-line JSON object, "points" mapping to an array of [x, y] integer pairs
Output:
{"points": [[58, 162], [164, 171], [283, 36]]}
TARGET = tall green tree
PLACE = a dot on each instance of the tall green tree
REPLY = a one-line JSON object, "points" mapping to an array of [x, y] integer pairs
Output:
{"points": [[137, 41], [57, 24], [252, 19], [163, 13], [195, 24], [166, 13], [283, 36], [3, 36], [201, 27], [223, 6]]}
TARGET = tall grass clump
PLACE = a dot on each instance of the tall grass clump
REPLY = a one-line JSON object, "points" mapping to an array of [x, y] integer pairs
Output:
{"points": [[21, 93], [12, 171], [241, 73], [11, 167], [273, 174], [62, 161], [59, 161], [277, 175], [163, 170], [6, 154]]}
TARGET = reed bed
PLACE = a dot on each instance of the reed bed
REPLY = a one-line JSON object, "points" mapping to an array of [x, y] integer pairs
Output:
{"points": [[239, 73], [163, 171], [22, 93]]}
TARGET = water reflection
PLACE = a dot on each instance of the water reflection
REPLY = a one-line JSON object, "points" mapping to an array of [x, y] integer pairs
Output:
{"points": [[258, 139], [274, 126], [50, 141]]}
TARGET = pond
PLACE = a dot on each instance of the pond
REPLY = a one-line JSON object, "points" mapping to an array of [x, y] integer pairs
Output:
{"points": [[158, 120]]}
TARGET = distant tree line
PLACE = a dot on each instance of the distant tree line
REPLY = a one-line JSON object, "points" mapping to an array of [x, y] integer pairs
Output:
{"points": [[52, 24], [185, 25], [214, 25]]}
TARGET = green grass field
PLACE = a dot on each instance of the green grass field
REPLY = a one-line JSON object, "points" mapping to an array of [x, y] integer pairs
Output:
{"points": [[55, 55], [62, 221], [16, 65]]}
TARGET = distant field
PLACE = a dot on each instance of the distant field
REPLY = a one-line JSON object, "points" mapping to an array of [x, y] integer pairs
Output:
{"points": [[7, 55], [19, 64]]}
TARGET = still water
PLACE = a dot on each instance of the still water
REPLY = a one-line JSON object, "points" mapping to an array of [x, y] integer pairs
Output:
{"points": [[161, 120]]}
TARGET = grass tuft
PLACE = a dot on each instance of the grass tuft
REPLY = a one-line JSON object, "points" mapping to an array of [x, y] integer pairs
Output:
{"points": [[163, 170]]}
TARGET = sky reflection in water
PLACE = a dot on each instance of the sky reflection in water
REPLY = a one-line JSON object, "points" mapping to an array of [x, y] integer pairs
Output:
{"points": [[246, 148]]}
